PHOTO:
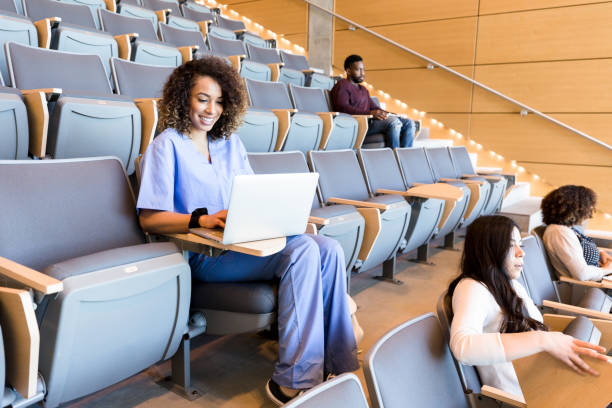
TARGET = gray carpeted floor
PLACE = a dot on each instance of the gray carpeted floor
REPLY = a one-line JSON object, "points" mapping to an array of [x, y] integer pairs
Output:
{"points": [[232, 370]]}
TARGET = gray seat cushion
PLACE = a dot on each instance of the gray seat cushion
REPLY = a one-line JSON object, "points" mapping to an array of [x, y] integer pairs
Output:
{"points": [[332, 211], [238, 297], [595, 299], [580, 328]]}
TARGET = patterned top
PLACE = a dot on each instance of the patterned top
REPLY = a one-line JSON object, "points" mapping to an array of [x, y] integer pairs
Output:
{"points": [[589, 248]]}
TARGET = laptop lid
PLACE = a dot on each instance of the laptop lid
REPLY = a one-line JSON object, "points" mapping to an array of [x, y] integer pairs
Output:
{"points": [[263, 206]]}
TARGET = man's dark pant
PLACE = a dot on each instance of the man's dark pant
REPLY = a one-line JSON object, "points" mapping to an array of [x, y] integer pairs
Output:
{"points": [[398, 131]]}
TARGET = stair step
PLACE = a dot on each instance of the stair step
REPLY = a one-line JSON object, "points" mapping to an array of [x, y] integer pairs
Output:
{"points": [[525, 212], [433, 143]]}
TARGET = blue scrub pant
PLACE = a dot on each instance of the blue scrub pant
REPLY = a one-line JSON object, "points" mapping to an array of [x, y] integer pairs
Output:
{"points": [[314, 325], [398, 131]]}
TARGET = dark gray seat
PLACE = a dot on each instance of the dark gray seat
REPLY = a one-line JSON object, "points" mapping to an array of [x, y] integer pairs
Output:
{"points": [[271, 56], [146, 49], [12, 6], [542, 287], [124, 304], [221, 32], [345, 225], [85, 119], [313, 79], [93, 5], [383, 172], [239, 29], [18, 29], [465, 169], [235, 51], [305, 129], [77, 32], [441, 163], [416, 170], [258, 131], [343, 391], [374, 140], [14, 139], [344, 127], [340, 176], [139, 80], [135, 9], [174, 17], [179, 37], [413, 364]]}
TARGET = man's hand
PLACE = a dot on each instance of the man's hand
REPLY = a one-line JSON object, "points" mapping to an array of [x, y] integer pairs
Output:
{"points": [[379, 114], [213, 220], [605, 259]]}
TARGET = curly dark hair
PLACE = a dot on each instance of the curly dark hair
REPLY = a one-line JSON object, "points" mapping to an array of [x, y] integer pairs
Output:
{"points": [[568, 205], [174, 106], [350, 59]]}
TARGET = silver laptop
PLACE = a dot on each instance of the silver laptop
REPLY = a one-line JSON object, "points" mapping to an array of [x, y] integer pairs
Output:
{"points": [[264, 206]]}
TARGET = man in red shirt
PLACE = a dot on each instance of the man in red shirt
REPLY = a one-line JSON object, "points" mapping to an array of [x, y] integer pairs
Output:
{"points": [[348, 96]]}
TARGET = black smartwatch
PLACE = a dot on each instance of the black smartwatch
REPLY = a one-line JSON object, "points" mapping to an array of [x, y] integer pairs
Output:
{"points": [[194, 221]]}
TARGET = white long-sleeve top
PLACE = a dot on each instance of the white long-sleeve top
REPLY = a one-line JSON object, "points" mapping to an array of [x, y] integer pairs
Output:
{"points": [[475, 338], [566, 256]]}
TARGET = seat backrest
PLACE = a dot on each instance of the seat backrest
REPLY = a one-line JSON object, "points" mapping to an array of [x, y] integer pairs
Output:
{"points": [[69, 13], [14, 139], [162, 5], [268, 95], [223, 46], [230, 24], [381, 169], [415, 166], [139, 80], [343, 391], [462, 160], [118, 24], [93, 5], [36, 68], [281, 162], [470, 380], [339, 174], [412, 363], [441, 162], [536, 273], [293, 61], [263, 55], [308, 99], [538, 233], [180, 37], [196, 12], [8, 5], [53, 210]]}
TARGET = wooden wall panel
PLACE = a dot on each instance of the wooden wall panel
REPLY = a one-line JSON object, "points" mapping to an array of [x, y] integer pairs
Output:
{"points": [[534, 139], [451, 42], [596, 177], [546, 35], [458, 121], [565, 86], [424, 89], [504, 6], [280, 16], [368, 13]]}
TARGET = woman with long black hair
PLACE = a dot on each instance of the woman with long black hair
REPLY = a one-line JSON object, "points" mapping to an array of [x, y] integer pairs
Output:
{"points": [[495, 321]]}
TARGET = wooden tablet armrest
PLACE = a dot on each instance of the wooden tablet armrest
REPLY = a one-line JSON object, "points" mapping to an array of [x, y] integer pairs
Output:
{"points": [[284, 121], [486, 177], [275, 69], [240, 31], [315, 70], [124, 44], [236, 61], [318, 220], [195, 243], [503, 396], [43, 30], [204, 27], [362, 129], [188, 52], [438, 190], [149, 116], [308, 71], [29, 277], [162, 15], [578, 310], [594, 284], [36, 101], [357, 203], [111, 5], [328, 126]]}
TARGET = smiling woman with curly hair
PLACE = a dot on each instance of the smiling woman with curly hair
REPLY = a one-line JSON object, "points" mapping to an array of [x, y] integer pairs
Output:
{"points": [[571, 252], [186, 178]]}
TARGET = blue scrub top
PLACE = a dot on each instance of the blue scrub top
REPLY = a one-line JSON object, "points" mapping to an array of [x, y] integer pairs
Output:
{"points": [[176, 177]]}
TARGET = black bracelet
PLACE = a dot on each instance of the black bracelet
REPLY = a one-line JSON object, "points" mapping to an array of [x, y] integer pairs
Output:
{"points": [[194, 221]]}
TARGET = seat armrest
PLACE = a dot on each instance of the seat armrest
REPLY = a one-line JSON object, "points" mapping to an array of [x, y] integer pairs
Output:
{"points": [[124, 43], [284, 121], [328, 127], [438, 190], [111, 5], [362, 123], [503, 396], [371, 231], [358, 203], [594, 284], [148, 120], [162, 15], [43, 29], [236, 61], [188, 52], [36, 101], [577, 310], [275, 68], [318, 220], [486, 177], [204, 27], [315, 70], [462, 180], [29, 277], [195, 243], [240, 31]]}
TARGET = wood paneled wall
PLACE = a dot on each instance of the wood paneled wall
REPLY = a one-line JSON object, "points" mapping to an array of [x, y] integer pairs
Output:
{"points": [[553, 55]]}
